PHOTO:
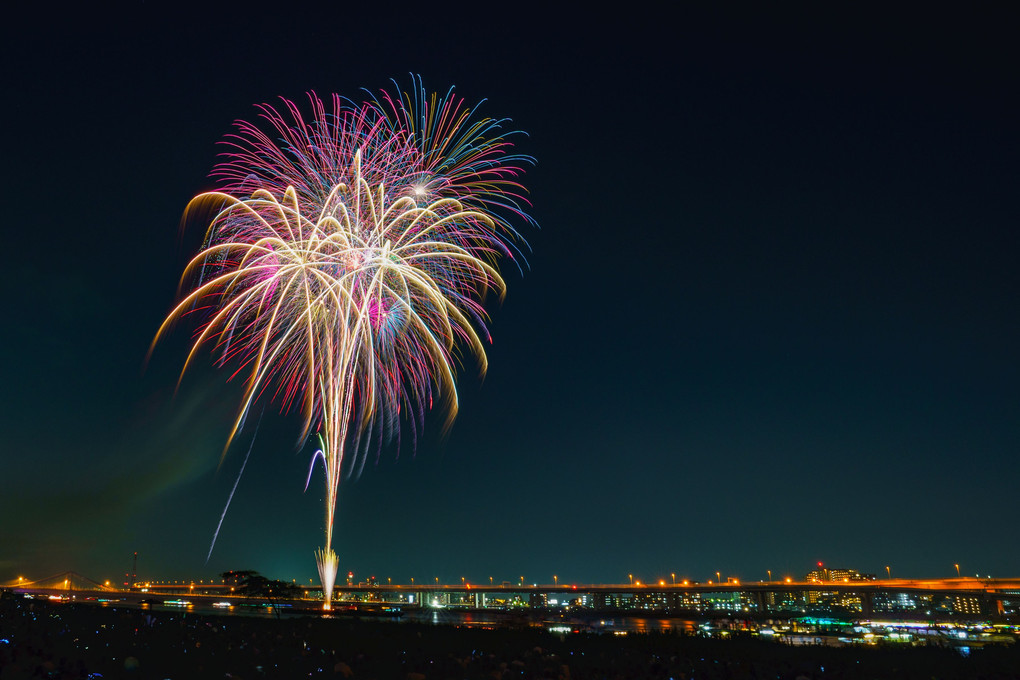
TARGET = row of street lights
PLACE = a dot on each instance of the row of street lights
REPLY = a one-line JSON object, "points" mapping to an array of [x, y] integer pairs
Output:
{"points": [[556, 578], [718, 576]]}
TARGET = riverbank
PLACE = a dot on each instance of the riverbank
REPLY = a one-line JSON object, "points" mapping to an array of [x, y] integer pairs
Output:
{"points": [[75, 640]]}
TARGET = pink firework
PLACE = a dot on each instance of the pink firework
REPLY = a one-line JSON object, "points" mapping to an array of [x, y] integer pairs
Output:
{"points": [[348, 259]]}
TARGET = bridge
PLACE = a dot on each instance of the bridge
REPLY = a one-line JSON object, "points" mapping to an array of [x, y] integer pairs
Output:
{"points": [[917, 598], [68, 581], [924, 597]]}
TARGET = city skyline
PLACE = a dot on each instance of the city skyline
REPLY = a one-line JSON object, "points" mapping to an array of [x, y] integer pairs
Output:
{"points": [[823, 597], [769, 317], [355, 585]]}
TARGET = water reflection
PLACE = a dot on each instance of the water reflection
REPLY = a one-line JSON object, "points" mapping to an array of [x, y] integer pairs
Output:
{"points": [[801, 631], [481, 619], [499, 619], [657, 625]]}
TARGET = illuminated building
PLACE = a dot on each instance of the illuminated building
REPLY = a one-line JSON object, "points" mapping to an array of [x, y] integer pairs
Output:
{"points": [[689, 601], [822, 575], [960, 604], [966, 605], [900, 602], [723, 601]]}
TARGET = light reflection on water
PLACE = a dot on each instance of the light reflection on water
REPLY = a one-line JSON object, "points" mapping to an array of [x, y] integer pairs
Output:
{"points": [[497, 619], [564, 624], [659, 625], [205, 608], [473, 619]]}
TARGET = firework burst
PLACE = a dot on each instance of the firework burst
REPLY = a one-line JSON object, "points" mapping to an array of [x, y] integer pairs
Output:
{"points": [[346, 264]]}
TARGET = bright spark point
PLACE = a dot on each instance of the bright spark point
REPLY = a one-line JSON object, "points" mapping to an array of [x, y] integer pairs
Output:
{"points": [[337, 292]]}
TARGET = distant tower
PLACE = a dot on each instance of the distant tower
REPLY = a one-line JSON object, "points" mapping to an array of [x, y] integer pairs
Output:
{"points": [[134, 572]]}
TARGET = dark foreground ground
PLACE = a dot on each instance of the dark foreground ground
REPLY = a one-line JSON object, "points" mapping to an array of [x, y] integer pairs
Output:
{"points": [[43, 640]]}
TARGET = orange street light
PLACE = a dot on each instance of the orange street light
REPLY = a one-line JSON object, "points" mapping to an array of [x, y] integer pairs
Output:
{"points": [[957, 570], [888, 572]]}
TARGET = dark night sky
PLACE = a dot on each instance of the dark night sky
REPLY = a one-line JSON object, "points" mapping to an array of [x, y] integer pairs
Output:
{"points": [[771, 316]]}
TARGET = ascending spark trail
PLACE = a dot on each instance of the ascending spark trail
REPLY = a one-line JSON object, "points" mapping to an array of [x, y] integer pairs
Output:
{"points": [[231, 497], [348, 261]]}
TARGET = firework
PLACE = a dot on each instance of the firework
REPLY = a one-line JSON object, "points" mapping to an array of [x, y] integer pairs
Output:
{"points": [[346, 264]]}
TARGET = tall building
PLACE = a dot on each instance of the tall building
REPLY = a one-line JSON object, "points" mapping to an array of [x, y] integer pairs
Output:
{"points": [[825, 575]]}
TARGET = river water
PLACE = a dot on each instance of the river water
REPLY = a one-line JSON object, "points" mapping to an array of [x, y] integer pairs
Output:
{"points": [[449, 617]]}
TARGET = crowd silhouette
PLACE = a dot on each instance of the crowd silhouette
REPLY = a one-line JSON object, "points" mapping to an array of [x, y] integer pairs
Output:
{"points": [[68, 640]]}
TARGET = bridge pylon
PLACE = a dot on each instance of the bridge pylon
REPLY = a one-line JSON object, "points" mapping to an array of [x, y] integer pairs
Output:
{"points": [[70, 581]]}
